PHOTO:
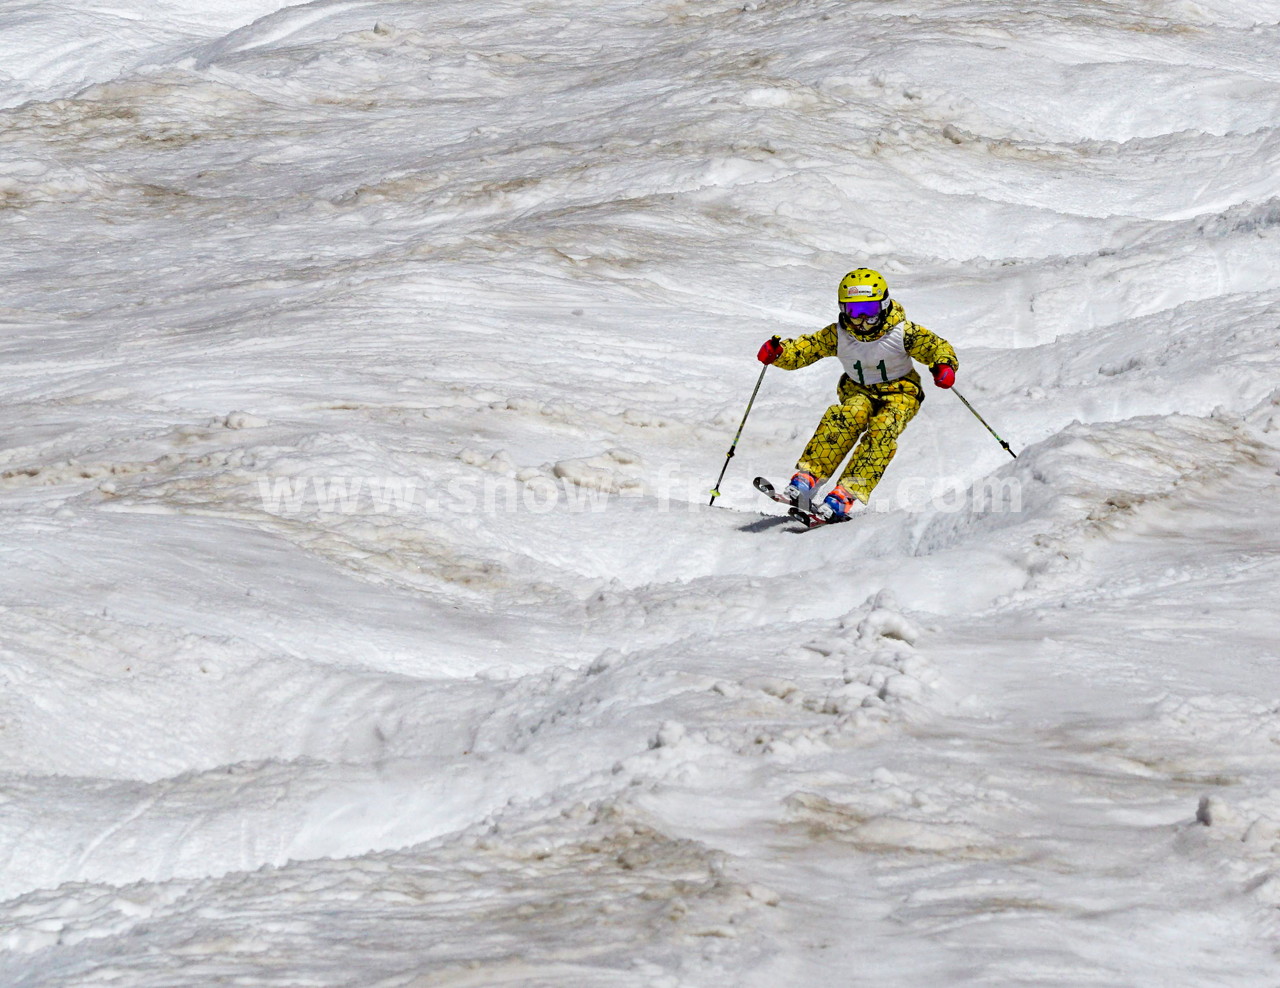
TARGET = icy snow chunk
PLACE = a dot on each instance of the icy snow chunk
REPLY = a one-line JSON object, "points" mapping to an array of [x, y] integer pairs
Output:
{"points": [[498, 462], [1267, 889], [846, 699], [616, 471], [625, 456], [1121, 367], [605, 660], [880, 618], [783, 689], [763, 894], [887, 624], [1263, 831], [670, 734], [1214, 812], [902, 688], [243, 420], [644, 420], [526, 405], [1265, 417]]}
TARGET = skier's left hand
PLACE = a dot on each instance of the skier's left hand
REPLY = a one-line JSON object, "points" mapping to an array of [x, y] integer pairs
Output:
{"points": [[770, 352], [944, 375]]}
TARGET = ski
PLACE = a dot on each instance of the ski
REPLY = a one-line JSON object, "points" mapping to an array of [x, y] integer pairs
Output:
{"points": [[809, 520], [768, 490], [806, 518]]}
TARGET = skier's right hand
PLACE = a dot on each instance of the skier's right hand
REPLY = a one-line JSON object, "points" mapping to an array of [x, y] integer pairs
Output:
{"points": [[770, 351]]}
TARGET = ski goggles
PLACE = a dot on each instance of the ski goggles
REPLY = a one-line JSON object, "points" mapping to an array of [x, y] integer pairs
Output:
{"points": [[861, 311]]}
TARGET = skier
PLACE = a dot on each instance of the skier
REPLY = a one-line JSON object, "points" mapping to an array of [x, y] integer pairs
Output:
{"points": [[879, 391]]}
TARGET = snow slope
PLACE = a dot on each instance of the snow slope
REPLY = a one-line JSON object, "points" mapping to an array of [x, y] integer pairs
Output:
{"points": [[365, 369]]}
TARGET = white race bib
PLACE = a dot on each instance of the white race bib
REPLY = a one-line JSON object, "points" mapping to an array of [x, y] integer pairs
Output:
{"points": [[875, 362]]}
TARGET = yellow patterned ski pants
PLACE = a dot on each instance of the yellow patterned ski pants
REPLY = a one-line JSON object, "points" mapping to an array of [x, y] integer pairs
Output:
{"points": [[878, 419]]}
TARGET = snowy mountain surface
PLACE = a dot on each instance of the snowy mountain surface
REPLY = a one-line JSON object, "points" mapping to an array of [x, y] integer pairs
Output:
{"points": [[366, 367]]}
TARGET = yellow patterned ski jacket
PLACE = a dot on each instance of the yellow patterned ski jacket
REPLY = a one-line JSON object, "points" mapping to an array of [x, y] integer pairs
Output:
{"points": [[920, 344]]}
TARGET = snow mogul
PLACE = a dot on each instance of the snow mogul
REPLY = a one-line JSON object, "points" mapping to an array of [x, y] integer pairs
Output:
{"points": [[879, 391]]}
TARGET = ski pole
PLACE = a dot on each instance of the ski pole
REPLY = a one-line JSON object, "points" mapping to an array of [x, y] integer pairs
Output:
{"points": [[715, 491], [984, 422]]}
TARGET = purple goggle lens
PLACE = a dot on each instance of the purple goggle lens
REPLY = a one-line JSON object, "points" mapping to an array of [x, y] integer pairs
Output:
{"points": [[861, 310]]}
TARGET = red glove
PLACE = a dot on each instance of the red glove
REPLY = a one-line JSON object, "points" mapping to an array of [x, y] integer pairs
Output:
{"points": [[770, 352], [944, 375]]}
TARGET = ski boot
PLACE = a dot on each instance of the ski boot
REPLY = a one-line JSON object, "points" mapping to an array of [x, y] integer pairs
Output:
{"points": [[800, 490], [837, 506]]}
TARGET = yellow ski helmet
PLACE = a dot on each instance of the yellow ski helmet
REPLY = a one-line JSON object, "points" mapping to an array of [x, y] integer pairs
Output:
{"points": [[864, 303], [863, 285]]}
